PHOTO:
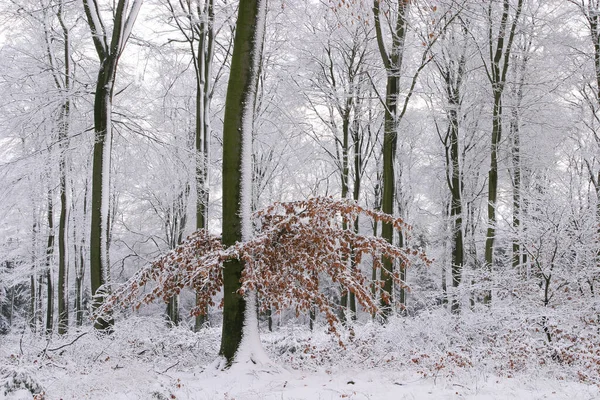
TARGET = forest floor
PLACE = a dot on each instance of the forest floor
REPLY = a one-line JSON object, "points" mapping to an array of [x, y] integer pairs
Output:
{"points": [[143, 359]]}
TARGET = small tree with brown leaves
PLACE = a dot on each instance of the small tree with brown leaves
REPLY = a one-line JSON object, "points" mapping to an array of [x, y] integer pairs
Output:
{"points": [[295, 246]]}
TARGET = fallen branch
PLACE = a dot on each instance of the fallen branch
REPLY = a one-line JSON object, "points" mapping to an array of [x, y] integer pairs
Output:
{"points": [[68, 344]]}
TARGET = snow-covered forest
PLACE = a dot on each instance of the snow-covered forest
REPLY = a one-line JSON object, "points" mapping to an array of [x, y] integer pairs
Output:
{"points": [[299, 199]]}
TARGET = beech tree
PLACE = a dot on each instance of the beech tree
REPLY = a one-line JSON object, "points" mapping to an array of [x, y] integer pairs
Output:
{"points": [[451, 64], [590, 11], [339, 89], [499, 47], [237, 189], [63, 77], [396, 15], [195, 21], [109, 47], [295, 246]]}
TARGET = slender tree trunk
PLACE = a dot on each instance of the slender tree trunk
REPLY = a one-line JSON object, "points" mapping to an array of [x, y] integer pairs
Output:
{"points": [[455, 183], [498, 68], [392, 62], [358, 168], [32, 303], [377, 206], [345, 172], [518, 256], [38, 302], [79, 258], [108, 52], [175, 226], [49, 262], [493, 191], [239, 106], [63, 268], [203, 99]]}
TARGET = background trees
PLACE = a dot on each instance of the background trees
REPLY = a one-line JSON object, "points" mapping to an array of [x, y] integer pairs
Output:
{"points": [[476, 122]]}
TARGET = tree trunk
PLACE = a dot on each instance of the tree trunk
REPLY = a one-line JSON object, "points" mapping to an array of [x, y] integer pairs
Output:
{"points": [[32, 303], [100, 188], [203, 66], [173, 311], [393, 66], [358, 168], [237, 130], [499, 63], [79, 258], [455, 182], [63, 137], [49, 261], [493, 191], [518, 256], [108, 53]]}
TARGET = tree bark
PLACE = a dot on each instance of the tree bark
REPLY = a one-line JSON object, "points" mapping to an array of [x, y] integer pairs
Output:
{"points": [[237, 130], [109, 57], [203, 67], [63, 268], [393, 65], [49, 257], [499, 63]]}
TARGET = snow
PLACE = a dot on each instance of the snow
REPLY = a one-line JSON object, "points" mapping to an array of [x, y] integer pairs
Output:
{"points": [[128, 26], [248, 122], [144, 359], [250, 350], [106, 189]]}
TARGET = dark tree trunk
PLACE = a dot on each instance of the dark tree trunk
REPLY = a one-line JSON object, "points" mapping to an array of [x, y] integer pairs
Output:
{"points": [[100, 188], [393, 65], [108, 52], [239, 106], [49, 262], [63, 268], [498, 68]]}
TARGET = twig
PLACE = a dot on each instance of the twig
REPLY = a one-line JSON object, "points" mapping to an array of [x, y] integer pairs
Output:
{"points": [[68, 344], [174, 365]]}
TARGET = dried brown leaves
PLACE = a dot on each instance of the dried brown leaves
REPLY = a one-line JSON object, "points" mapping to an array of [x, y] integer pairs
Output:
{"points": [[296, 245]]}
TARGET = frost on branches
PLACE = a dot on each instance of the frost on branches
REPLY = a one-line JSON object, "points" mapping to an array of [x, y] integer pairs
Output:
{"points": [[296, 246]]}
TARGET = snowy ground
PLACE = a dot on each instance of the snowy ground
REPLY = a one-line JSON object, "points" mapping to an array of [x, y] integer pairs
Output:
{"points": [[144, 360]]}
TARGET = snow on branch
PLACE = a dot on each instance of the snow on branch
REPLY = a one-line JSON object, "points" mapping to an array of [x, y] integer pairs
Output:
{"points": [[296, 246], [196, 263]]}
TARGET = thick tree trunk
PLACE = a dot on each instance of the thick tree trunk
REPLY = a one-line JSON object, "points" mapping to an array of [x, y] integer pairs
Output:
{"points": [[100, 188], [239, 106]]}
